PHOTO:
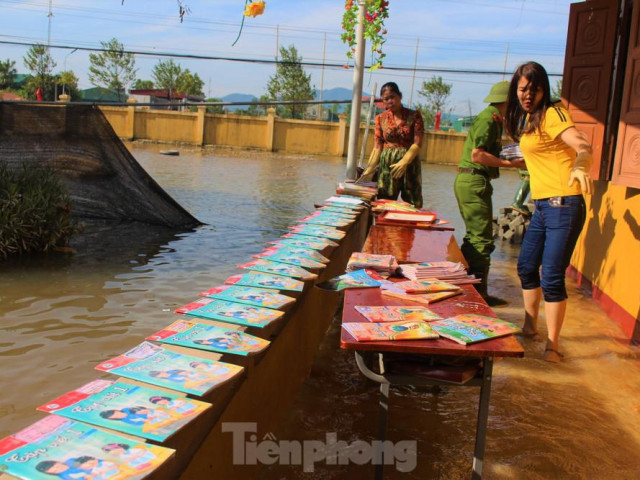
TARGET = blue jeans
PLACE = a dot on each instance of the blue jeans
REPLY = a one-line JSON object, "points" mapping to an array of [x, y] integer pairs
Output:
{"points": [[549, 242]]}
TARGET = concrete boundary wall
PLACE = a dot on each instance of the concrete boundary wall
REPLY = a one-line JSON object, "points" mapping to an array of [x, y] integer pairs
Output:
{"points": [[268, 133]]}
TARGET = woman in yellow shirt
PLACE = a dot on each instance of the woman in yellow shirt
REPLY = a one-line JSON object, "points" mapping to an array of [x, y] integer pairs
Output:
{"points": [[558, 157]]}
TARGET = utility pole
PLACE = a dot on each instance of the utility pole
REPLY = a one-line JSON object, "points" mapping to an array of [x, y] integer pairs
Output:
{"points": [[506, 56], [413, 77], [356, 98], [324, 50]]}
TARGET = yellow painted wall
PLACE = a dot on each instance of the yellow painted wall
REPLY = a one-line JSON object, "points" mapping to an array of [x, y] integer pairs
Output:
{"points": [[117, 118], [302, 136], [608, 251], [162, 125], [235, 131]]}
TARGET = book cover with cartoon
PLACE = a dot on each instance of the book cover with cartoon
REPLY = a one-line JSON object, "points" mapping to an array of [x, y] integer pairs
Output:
{"points": [[368, 332], [56, 447], [357, 279], [127, 408], [275, 268], [258, 297], [291, 257], [266, 280], [470, 328], [231, 312], [318, 231], [210, 337], [397, 314], [155, 365], [298, 250]]}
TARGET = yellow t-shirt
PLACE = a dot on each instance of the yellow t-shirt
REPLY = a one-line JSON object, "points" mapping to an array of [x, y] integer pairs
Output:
{"points": [[549, 160]]}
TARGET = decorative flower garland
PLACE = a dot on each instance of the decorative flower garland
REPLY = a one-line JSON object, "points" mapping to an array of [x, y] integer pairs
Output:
{"points": [[376, 11], [251, 9]]}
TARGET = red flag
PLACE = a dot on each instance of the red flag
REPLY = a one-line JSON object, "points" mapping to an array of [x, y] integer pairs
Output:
{"points": [[38, 95], [437, 124]]}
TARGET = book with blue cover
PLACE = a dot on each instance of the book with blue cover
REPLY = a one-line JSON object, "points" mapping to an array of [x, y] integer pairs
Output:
{"points": [[291, 257], [318, 218], [296, 250], [127, 408], [231, 312], [275, 268], [212, 338], [158, 366], [357, 279], [56, 447], [257, 297], [468, 328], [266, 280], [318, 231], [325, 241]]}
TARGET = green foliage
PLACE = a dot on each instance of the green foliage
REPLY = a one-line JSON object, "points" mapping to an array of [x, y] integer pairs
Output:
{"points": [[436, 93], [170, 76], [34, 211], [290, 83], [112, 68], [375, 13], [214, 108], [556, 90], [7, 74], [69, 82], [40, 63], [143, 85]]}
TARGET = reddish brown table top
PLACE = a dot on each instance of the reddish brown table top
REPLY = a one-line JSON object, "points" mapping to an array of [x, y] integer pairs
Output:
{"points": [[415, 245]]}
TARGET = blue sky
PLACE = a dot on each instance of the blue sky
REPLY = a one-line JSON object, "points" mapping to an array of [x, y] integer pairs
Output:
{"points": [[493, 35]]}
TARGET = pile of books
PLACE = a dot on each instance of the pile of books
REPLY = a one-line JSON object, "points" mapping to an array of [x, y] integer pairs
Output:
{"points": [[451, 272], [424, 292], [385, 265], [382, 205], [511, 151], [357, 190]]}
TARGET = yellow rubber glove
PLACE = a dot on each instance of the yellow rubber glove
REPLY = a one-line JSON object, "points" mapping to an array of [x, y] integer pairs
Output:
{"points": [[398, 169], [580, 172], [372, 166]]}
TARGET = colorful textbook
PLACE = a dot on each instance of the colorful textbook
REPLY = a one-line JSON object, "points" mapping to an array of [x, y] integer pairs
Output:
{"points": [[317, 231], [300, 250], [294, 236], [231, 312], [291, 257], [397, 314], [56, 447], [265, 280], [209, 337], [468, 328], [304, 241], [408, 330], [127, 408], [275, 268], [258, 297], [327, 219], [358, 279], [158, 366]]}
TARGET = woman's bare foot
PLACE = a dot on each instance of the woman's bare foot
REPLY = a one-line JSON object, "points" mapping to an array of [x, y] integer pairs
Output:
{"points": [[553, 356]]}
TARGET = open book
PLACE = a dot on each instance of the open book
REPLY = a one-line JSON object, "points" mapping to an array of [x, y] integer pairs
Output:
{"points": [[56, 447], [257, 297], [470, 328], [231, 312], [407, 330], [397, 314], [275, 268], [423, 298], [266, 280]]}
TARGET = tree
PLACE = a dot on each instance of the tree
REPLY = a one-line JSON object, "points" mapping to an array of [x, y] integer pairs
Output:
{"points": [[113, 68], [143, 85], [556, 92], [7, 74], [69, 83], [190, 84], [290, 82], [214, 108], [39, 62], [165, 75], [436, 93]]}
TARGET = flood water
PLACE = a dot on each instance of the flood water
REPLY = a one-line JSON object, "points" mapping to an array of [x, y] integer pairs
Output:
{"points": [[62, 314]]}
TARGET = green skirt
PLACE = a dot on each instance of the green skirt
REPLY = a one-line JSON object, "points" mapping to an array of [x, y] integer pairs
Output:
{"points": [[409, 186]]}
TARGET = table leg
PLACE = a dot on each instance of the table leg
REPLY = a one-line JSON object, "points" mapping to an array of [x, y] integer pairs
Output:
{"points": [[483, 416]]}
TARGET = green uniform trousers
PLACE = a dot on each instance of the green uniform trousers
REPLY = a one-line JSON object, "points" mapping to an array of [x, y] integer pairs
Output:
{"points": [[473, 193]]}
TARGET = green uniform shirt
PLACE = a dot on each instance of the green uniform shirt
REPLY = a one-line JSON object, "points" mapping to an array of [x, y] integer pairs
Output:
{"points": [[485, 131]]}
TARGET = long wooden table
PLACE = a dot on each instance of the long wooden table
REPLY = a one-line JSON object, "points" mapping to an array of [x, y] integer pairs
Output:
{"points": [[410, 362]]}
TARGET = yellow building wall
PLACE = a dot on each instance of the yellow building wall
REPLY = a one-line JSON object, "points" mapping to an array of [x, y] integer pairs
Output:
{"points": [[117, 118], [240, 131], [162, 125], [301, 136], [608, 251]]}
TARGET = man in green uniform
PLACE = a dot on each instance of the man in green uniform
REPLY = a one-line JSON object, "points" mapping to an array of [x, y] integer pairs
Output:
{"points": [[477, 167]]}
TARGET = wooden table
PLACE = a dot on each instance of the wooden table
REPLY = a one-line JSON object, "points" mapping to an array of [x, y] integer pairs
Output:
{"points": [[419, 362]]}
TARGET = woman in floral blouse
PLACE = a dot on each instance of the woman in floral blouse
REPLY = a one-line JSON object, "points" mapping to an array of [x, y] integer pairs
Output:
{"points": [[398, 137]]}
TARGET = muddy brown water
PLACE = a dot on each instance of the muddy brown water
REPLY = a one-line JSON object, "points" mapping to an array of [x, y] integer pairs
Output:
{"points": [[60, 315]]}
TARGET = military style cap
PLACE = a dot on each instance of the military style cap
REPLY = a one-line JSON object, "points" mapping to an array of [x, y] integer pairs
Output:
{"points": [[499, 93]]}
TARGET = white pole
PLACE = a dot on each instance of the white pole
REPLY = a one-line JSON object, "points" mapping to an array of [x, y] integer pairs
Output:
{"points": [[413, 77], [324, 50], [356, 99]]}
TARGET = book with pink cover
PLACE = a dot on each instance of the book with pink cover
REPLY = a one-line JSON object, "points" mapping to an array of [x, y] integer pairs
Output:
{"points": [[321, 231], [407, 330], [294, 256], [275, 268], [379, 314], [257, 297], [468, 328], [423, 298], [231, 312], [305, 250], [420, 286], [266, 280]]}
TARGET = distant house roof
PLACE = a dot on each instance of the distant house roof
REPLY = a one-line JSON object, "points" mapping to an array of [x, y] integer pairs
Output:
{"points": [[99, 94], [10, 96], [158, 93]]}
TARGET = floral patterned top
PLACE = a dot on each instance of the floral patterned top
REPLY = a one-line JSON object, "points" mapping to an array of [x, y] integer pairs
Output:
{"points": [[390, 135]]}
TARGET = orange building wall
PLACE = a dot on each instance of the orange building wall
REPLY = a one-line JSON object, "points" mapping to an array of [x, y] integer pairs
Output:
{"points": [[607, 257]]}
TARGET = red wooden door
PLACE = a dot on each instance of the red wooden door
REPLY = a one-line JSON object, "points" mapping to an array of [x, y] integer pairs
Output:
{"points": [[588, 67], [626, 167]]}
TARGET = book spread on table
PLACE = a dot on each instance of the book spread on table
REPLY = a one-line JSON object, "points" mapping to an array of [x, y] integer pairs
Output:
{"points": [[291, 257], [408, 217], [257, 297], [307, 242], [231, 312], [345, 200], [209, 337], [127, 408], [383, 264], [56, 447], [381, 205], [328, 220], [407, 330], [317, 231], [158, 366], [306, 251], [380, 314], [358, 279], [470, 328], [420, 286], [424, 298], [339, 211], [327, 242], [266, 280], [284, 269]]}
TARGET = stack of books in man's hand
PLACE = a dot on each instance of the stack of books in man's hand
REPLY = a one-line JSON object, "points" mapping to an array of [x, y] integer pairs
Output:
{"points": [[451, 272], [511, 151], [385, 265], [357, 190]]}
